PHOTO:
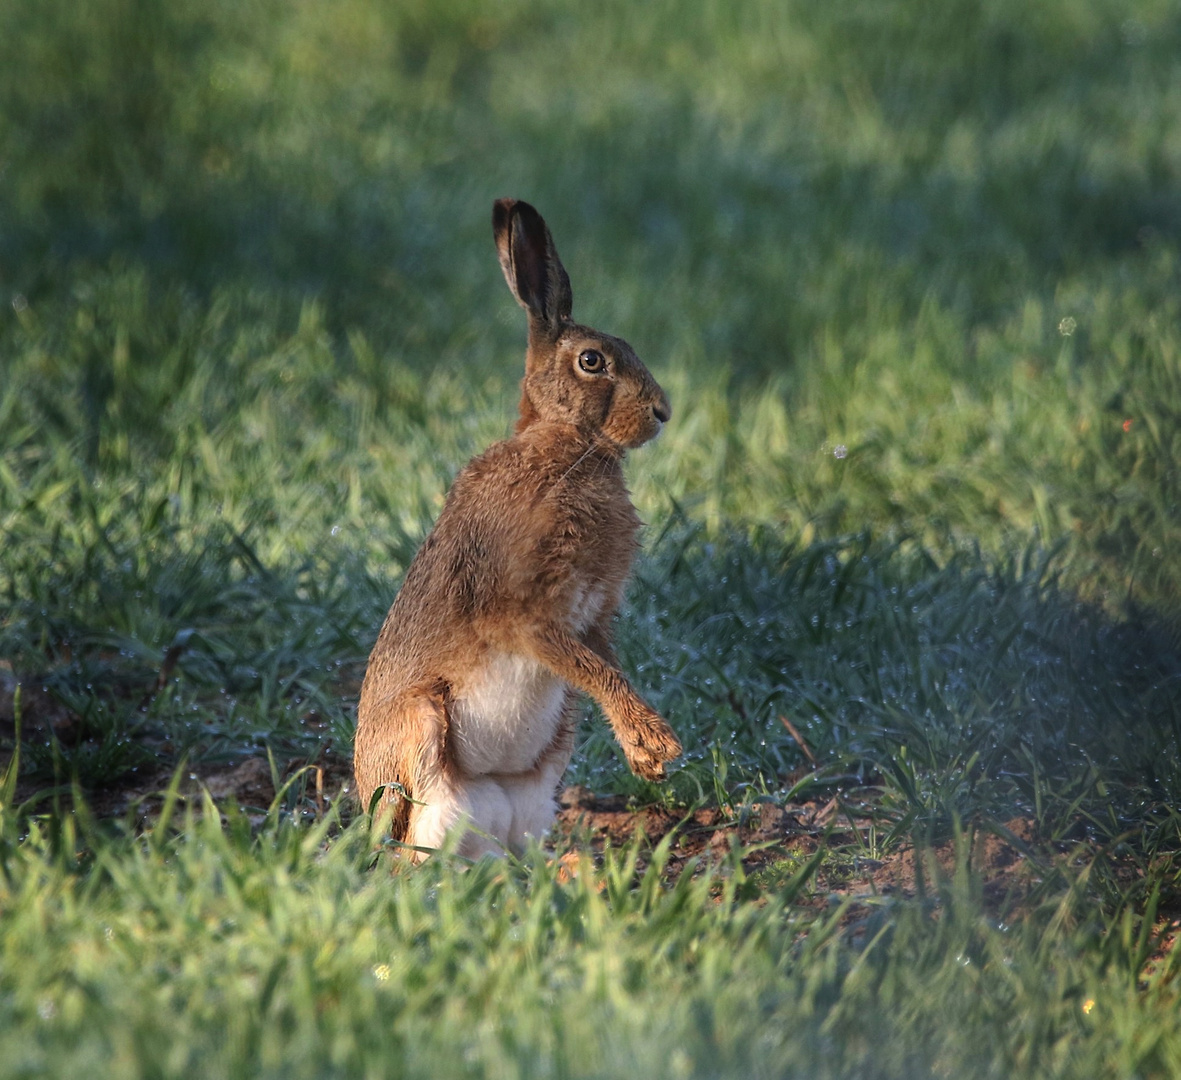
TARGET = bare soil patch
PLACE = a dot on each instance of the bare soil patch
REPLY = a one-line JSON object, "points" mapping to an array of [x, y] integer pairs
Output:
{"points": [[771, 838]]}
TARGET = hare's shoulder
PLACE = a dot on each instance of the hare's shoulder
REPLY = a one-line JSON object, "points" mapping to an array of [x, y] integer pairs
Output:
{"points": [[538, 460], [531, 485], [523, 524]]}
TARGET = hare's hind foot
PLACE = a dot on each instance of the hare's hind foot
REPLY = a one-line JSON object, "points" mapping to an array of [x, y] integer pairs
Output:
{"points": [[493, 814], [477, 807]]}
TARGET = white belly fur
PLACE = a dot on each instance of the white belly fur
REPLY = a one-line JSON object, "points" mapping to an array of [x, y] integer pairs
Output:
{"points": [[507, 713], [503, 718]]}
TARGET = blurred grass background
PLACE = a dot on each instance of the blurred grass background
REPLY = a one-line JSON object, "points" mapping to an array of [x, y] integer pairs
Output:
{"points": [[909, 272], [940, 236]]}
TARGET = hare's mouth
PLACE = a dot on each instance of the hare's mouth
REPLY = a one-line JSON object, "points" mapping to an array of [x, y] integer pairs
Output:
{"points": [[643, 427]]}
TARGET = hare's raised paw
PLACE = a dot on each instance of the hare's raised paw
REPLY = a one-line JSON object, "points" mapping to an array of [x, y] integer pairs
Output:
{"points": [[645, 767], [648, 744]]}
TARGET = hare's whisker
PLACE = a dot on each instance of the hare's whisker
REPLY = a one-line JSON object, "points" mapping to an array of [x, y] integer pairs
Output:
{"points": [[585, 454]]}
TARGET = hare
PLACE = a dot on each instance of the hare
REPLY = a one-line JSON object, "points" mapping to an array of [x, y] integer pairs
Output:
{"points": [[468, 708]]}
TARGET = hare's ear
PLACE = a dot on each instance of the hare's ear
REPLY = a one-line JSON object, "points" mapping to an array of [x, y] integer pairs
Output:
{"points": [[530, 263]]}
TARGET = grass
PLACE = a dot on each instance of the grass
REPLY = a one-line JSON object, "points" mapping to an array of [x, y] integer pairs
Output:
{"points": [[910, 277], [310, 963]]}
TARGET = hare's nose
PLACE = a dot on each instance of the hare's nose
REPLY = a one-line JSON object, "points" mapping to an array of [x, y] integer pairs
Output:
{"points": [[662, 411]]}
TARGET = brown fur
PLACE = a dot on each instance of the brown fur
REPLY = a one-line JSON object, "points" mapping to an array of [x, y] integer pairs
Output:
{"points": [[535, 540]]}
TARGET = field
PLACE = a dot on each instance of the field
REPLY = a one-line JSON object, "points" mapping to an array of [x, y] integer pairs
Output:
{"points": [[911, 583]]}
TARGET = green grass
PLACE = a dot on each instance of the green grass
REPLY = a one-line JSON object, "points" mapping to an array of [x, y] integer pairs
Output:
{"points": [[910, 276], [211, 953]]}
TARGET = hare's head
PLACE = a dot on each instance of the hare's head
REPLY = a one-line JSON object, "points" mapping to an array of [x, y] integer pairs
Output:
{"points": [[573, 374]]}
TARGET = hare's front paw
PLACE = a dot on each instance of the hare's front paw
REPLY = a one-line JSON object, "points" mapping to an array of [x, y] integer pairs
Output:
{"points": [[648, 742]]}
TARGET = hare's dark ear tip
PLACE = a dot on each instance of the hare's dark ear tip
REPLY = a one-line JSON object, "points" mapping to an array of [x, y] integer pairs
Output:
{"points": [[502, 212]]}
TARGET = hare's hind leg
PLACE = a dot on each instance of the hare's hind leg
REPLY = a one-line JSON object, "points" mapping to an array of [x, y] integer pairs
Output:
{"points": [[499, 811], [403, 744], [399, 745], [476, 804], [533, 795]]}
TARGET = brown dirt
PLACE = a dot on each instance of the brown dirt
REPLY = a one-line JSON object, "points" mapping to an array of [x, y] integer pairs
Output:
{"points": [[771, 836], [774, 839]]}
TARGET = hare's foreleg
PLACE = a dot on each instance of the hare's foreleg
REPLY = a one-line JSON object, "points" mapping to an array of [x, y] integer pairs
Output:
{"points": [[647, 740]]}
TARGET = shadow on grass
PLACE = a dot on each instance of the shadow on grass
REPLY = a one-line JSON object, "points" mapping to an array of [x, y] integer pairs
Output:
{"points": [[975, 688]]}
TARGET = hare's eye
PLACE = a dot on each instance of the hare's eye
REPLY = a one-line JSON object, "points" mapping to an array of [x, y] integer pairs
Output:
{"points": [[591, 361]]}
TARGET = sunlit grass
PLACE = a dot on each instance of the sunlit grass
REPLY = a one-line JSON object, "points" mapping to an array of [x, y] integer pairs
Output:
{"points": [[910, 277], [211, 952]]}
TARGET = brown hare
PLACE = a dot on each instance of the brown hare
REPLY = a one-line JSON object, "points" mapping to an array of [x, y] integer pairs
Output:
{"points": [[468, 708]]}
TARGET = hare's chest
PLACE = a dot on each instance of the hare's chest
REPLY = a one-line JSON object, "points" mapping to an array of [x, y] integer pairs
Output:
{"points": [[505, 715]]}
